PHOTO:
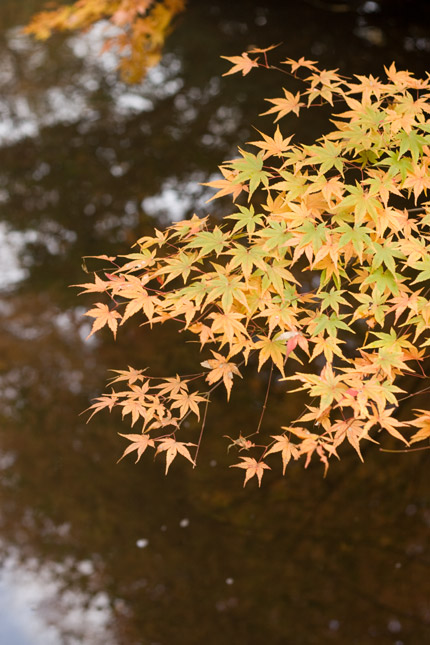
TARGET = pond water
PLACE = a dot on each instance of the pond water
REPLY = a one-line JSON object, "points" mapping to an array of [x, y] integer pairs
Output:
{"points": [[97, 553]]}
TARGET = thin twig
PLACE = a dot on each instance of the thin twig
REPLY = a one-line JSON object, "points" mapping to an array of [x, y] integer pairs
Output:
{"points": [[263, 410], [406, 449], [201, 432]]}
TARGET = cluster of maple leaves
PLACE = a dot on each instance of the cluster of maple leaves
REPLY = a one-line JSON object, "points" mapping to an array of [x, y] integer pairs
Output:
{"points": [[139, 30], [325, 262]]}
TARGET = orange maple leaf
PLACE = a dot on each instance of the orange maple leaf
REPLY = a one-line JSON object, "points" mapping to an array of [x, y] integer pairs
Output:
{"points": [[423, 423], [140, 442], [98, 285], [253, 468], [103, 316], [187, 401], [130, 375], [275, 145], [286, 448], [221, 369], [171, 447], [103, 401], [302, 62], [241, 63], [291, 103], [227, 186]]}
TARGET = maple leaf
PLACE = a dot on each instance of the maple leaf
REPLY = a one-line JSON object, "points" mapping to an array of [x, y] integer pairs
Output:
{"points": [[257, 50], [286, 448], [104, 401], [322, 448], [228, 185], [229, 326], [275, 145], [250, 169], [172, 386], [385, 419], [274, 349], [423, 423], [241, 442], [242, 63], [172, 447], [135, 407], [130, 375], [181, 265], [302, 62], [98, 285], [103, 316], [351, 429], [328, 345], [140, 443], [328, 386], [187, 401], [246, 218], [221, 369], [253, 468], [291, 103]]}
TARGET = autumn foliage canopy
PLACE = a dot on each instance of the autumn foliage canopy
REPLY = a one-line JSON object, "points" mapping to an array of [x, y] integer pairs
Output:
{"points": [[320, 274]]}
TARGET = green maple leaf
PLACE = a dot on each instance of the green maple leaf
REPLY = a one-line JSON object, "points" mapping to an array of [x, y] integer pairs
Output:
{"points": [[385, 254], [423, 266], [246, 218], [294, 185], [313, 235], [412, 142], [250, 169], [384, 280], [247, 258], [362, 200], [332, 299], [397, 164], [330, 325], [357, 235], [227, 288], [209, 242], [275, 235], [326, 156]]}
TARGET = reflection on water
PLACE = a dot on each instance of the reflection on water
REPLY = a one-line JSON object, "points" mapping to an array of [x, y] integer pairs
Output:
{"points": [[34, 610], [92, 552]]}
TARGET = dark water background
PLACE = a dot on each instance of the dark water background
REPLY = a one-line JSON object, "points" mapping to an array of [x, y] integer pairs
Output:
{"points": [[103, 554]]}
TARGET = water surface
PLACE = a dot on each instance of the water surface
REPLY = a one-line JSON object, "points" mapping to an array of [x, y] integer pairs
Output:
{"points": [[97, 553]]}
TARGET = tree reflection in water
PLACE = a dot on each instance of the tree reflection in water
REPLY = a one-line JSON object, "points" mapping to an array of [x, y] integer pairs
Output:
{"points": [[94, 552]]}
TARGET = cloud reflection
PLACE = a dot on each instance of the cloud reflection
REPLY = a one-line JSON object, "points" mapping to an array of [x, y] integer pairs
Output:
{"points": [[36, 610]]}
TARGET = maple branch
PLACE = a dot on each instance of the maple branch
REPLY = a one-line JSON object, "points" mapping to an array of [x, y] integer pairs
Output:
{"points": [[263, 410]]}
